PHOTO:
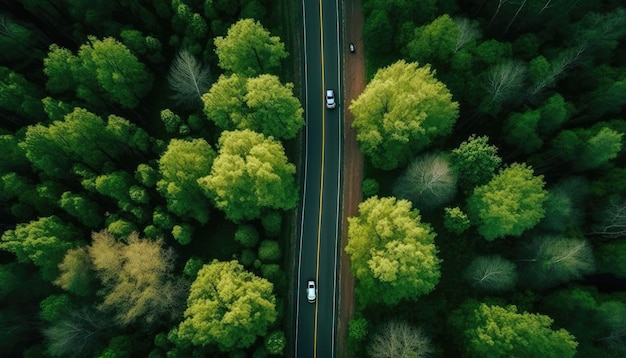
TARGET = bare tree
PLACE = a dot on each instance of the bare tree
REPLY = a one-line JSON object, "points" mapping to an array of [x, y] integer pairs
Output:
{"points": [[553, 260], [491, 273], [468, 31], [77, 334], [566, 59], [398, 339], [504, 80], [428, 182], [613, 223], [188, 79]]}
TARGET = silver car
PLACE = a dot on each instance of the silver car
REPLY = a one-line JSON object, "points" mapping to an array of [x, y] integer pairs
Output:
{"points": [[330, 99]]}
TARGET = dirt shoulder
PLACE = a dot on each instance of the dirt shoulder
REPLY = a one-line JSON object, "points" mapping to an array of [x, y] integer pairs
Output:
{"points": [[354, 83]]}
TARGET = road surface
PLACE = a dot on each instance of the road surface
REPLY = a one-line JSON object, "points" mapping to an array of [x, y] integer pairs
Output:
{"points": [[319, 231]]}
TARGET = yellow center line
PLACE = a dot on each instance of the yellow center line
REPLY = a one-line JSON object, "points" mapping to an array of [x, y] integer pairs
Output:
{"points": [[319, 220]]}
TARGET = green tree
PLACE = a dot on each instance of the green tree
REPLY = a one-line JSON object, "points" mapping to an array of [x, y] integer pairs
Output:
{"points": [[76, 273], [249, 49], [83, 209], [434, 42], [182, 233], [227, 306], [428, 182], [182, 164], [399, 339], [19, 96], [138, 279], [555, 259], [188, 79], [247, 236], [588, 148], [455, 220], [275, 343], [400, 112], [269, 251], [392, 253], [494, 331], [491, 273], [43, 242], [475, 161], [261, 104], [509, 204], [250, 176], [55, 307], [565, 205]]}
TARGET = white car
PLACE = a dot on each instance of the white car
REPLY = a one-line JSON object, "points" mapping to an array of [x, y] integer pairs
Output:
{"points": [[330, 99], [311, 291]]}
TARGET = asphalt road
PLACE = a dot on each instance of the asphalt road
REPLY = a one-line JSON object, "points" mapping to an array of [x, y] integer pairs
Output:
{"points": [[319, 232]]}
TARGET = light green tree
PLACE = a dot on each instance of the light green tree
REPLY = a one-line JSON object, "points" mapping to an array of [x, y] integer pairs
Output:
{"points": [[249, 49], [494, 331], [180, 166], [261, 104], [509, 204], [435, 42], [76, 273], [392, 253], [400, 112], [250, 175], [227, 306]]}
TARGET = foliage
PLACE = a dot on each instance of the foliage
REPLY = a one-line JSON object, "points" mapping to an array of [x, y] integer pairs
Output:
{"points": [[275, 343], [272, 223], [188, 79], [494, 331], [249, 49], [392, 253], [137, 276], [76, 275], [250, 176], [182, 164], [399, 339], [77, 334], [491, 273], [455, 220], [43, 242], [269, 251], [370, 187], [428, 182], [247, 236], [509, 204], [402, 110], [227, 306], [262, 104], [182, 233], [475, 161]]}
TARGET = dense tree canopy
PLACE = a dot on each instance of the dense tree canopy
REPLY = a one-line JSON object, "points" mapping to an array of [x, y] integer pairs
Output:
{"points": [[400, 112], [249, 49], [495, 331], [250, 176], [392, 253], [228, 307], [509, 204]]}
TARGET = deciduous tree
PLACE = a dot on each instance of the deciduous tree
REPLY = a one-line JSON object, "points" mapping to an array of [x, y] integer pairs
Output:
{"points": [[392, 253], [509, 204], [491, 273], [227, 306], [188, 79], [138, 280], [475, 161], [76, 272], [249, 49], [400, 112], [182, 164], [250, 176], [399, 339], [428, 182], [494, 331]]}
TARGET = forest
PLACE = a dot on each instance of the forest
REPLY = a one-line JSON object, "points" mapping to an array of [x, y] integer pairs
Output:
{"points": [[150, 178], [148, 183], [493, 220]]}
